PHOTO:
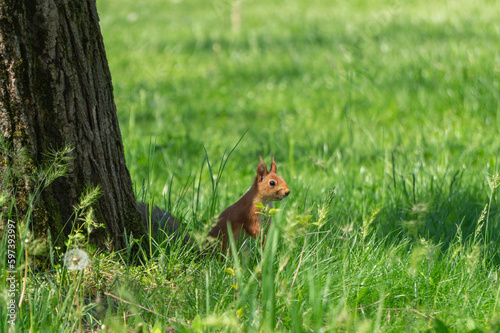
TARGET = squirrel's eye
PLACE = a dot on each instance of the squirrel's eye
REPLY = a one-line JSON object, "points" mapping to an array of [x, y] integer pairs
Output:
{"points": [[272, 183]]}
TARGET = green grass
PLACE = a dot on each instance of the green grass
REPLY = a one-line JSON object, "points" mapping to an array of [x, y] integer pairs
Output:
{"points": [[395, 105]]}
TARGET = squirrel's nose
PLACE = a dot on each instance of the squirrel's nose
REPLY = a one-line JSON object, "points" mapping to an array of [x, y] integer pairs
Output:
{"points": [[287, 192]]}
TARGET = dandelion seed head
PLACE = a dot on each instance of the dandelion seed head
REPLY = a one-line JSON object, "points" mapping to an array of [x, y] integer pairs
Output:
{"points": [[76, 259]]}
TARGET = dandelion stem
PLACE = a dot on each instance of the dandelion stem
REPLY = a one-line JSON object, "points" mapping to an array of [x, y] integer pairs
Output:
{"points": [[25, 280]]}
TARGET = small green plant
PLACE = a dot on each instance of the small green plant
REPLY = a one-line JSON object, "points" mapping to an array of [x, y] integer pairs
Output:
{"points": [[83, 223], [267, 213]]}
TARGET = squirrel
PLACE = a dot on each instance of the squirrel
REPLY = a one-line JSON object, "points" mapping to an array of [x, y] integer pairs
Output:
{"points": [[243, 215]]}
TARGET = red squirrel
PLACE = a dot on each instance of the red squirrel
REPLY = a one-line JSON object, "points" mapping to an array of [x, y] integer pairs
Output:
{"points": [[267, 187], [243, 215]]}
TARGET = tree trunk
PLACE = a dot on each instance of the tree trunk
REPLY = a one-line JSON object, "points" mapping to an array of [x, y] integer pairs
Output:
{"points": [[56, 91]]}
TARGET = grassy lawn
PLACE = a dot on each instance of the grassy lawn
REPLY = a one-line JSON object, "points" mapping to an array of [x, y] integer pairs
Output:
{"points": [[384, 120]]}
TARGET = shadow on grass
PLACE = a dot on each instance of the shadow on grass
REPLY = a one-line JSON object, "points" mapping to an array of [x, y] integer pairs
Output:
{"points": [[452, 208]]}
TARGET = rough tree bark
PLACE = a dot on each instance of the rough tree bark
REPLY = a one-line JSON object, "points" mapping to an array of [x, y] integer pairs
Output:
{"points": [[55, 90]]}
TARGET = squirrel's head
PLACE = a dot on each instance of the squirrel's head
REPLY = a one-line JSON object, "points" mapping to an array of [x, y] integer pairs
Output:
{"points": [[270, 186]]}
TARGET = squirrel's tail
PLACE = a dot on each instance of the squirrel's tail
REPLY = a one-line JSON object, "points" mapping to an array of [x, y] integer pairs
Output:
{"points": [[162, 221]]}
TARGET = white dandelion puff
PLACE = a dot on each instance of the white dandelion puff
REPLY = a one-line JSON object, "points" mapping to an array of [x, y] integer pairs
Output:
{"points": [[76, 260]]}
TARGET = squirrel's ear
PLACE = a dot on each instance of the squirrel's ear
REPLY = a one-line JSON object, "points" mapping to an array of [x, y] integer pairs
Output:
{"points": [[273, 166], [261, 169]]}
